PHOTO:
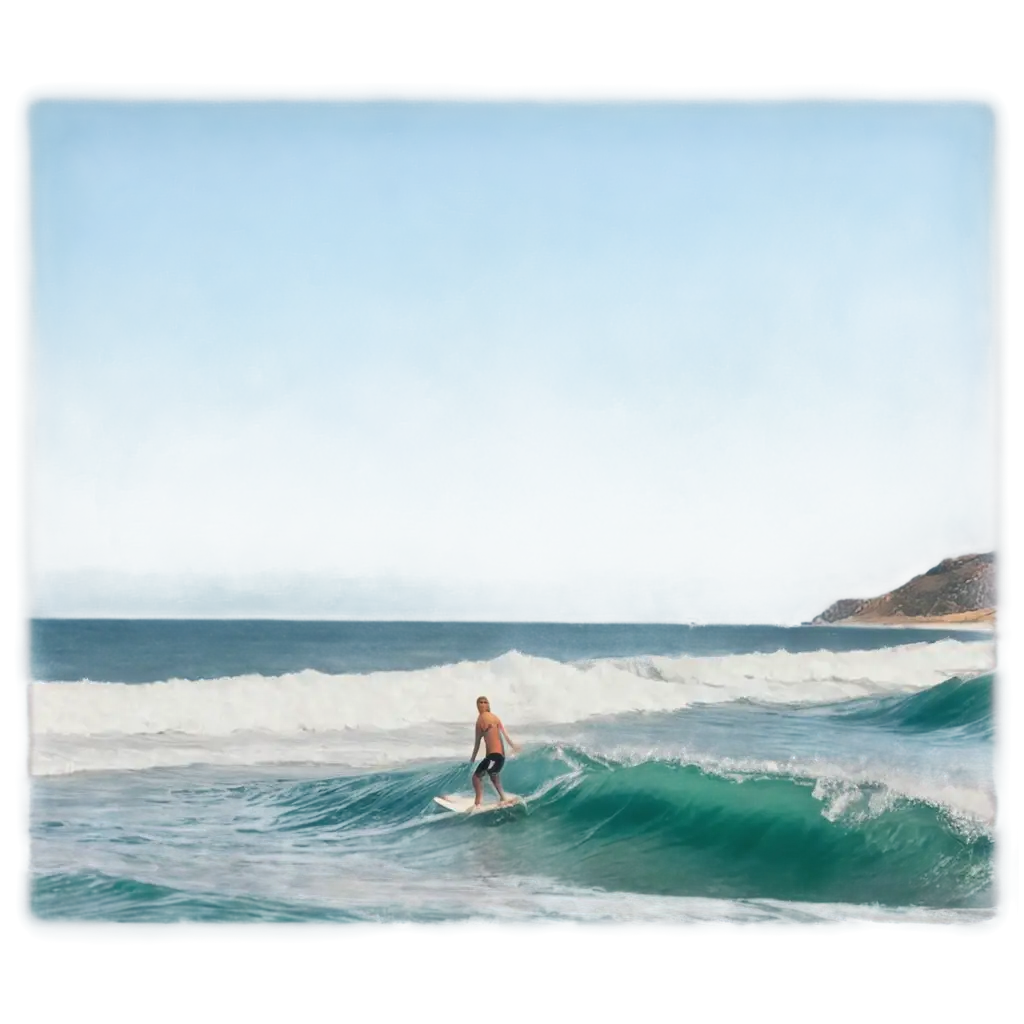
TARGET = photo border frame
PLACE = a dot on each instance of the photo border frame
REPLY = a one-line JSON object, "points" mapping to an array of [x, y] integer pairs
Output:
{"points": [[742, 53]]}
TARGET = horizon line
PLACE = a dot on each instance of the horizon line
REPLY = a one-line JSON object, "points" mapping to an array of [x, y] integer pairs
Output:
{"points": [[422, 621]]}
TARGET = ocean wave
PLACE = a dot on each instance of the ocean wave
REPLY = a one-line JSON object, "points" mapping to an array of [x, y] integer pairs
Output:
{"points": [[688, 827], [965, 705], [525, 689], [785, 676], [697, 826], [702, 826]]}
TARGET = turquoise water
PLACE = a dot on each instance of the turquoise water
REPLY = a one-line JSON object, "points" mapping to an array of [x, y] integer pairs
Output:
{"points": [[842, 773]]}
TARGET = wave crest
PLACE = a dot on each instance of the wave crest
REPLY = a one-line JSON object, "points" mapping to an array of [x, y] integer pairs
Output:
{"points": [[525, 688]]}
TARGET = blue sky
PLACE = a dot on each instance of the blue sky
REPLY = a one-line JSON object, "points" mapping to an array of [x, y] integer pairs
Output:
{"points": [[588, 362]]}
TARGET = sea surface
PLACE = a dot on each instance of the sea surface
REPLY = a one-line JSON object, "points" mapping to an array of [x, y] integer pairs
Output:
{"points": [[285, 771]]}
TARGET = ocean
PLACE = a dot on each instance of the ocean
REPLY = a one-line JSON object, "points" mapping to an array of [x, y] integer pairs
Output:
{"points": [[285, 771]]}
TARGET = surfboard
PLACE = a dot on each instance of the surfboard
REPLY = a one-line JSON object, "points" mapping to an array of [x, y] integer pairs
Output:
{"points": [[464, 804]]}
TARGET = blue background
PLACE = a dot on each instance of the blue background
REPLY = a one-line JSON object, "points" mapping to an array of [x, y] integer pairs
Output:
{"points": [[60, 975]]}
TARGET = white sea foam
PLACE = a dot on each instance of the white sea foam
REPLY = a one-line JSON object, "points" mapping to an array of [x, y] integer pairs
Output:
{"points": [[317, 717], [822, 675], [526, 688]]}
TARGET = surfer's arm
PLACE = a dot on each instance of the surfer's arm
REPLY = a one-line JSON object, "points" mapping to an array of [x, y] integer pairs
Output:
{"points": [[476, 744], [504, 732]]}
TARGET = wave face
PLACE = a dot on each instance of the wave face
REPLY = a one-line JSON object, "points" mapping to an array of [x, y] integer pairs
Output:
{"points": [[963, 705], [678, 829], [592, 825], [747, 785]]}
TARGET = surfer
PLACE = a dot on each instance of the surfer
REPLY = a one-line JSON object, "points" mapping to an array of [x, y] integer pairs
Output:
{"points": [[489, 728]]}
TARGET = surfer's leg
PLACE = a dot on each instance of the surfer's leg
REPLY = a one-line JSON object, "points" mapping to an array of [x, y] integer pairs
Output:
{"points": [[478, 779]]}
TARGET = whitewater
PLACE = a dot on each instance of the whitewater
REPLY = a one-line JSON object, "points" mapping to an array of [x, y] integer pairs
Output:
{"points": [[744, 774]]}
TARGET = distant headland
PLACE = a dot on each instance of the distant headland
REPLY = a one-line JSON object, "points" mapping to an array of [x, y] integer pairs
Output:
{"points": [[957, 590]]}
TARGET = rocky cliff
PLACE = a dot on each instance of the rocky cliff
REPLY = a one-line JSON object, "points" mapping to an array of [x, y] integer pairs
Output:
{"points": [[956, 590]]}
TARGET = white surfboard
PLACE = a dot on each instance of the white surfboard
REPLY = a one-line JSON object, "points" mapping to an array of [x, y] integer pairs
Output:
{"points": [[464, 804]]}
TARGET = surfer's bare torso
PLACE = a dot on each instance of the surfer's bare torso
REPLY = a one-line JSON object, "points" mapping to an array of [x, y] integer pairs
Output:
{"points": [[489, 729]]}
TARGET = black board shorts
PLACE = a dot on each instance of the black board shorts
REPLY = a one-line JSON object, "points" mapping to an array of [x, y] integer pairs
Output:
{"points": [[492, 764]]}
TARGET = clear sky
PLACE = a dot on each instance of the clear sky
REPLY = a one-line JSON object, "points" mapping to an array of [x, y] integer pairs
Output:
{"points": [[665, 362]]}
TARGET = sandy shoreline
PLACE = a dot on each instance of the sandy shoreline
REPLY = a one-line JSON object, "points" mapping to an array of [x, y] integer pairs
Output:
{"points": [[969, 627], [986, 624]]}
